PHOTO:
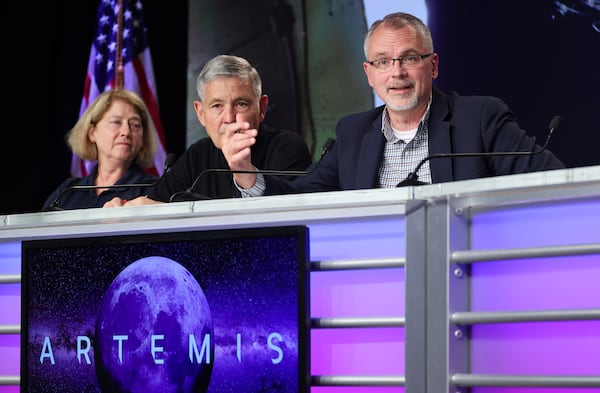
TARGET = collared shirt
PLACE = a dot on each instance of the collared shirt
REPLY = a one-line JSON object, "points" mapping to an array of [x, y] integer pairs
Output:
{"points": [[401, 158]]}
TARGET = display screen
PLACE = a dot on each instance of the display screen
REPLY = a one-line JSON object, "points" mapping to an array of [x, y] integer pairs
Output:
{"points": [[210, 311]]}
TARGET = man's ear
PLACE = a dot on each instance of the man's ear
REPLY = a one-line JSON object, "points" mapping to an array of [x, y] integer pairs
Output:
{"points": [[264, 103], [435, 62], [199, 113]]}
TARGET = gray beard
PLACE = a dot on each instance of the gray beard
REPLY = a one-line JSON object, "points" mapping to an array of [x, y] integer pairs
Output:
{"points": [[411, 104]]}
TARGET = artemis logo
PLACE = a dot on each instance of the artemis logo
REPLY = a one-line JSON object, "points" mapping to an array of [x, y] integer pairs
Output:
{"points": [[195, 354]]}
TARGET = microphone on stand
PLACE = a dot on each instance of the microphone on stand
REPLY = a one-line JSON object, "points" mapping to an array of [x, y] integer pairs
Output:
{"points": [[413, 179], [54, 206], [190, 195]]}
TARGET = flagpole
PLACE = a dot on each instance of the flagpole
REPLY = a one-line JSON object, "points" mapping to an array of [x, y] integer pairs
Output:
{"points": [[119, 58]]}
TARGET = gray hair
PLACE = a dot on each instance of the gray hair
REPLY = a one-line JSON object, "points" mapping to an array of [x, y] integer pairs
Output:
{"points": [[224, 66], [397, 21]]}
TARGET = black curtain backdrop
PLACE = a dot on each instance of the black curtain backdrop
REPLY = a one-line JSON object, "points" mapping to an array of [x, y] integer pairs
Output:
{"points": [[542, 59], [47, 49]]}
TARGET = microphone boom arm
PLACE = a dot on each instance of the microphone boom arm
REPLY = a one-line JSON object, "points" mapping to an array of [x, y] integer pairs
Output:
{"points": [[412, 178], [189, 193]]}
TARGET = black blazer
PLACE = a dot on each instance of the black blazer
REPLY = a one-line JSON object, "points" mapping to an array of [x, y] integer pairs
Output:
{"points": [[457, 124]]}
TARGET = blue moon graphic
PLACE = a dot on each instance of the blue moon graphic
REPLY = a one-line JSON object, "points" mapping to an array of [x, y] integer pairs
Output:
{"points": [[143, 328]]}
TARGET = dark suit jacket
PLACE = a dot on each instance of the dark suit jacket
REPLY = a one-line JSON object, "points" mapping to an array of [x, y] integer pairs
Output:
{"points": [[458, 124]]}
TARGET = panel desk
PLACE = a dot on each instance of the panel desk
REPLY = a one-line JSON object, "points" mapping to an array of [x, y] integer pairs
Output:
{"points": [[487, 285]]}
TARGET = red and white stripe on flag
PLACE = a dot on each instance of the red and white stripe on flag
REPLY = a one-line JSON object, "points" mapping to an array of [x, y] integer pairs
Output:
{"points": [[138, 74]]}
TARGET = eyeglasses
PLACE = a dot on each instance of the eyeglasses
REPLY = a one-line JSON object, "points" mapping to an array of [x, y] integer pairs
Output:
{"points": [[410, 61]]}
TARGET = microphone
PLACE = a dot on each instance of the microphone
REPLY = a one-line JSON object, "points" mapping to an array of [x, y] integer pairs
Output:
{"points": [[413, 179], [54, 206], [190, 195]]}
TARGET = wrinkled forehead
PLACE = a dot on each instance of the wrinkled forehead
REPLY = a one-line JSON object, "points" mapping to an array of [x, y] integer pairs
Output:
{"points": [[226, 85]]}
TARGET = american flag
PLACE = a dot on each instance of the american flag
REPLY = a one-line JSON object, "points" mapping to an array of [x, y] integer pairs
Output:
{"points": [[138, 74]]}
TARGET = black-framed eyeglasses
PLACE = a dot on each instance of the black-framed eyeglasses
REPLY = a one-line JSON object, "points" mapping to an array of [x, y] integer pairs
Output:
{"points": [[409, 61]]}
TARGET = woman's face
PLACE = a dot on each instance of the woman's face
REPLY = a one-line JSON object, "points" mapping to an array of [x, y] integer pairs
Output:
{"points": [[119, 134]]}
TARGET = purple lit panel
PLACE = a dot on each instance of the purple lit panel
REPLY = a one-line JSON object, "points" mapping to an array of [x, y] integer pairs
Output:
{"points": [[368, 351], [346, 389], [10, 354], [535, 226], [9, 389], [357, 293], [548, 283], [10, 258], [10, 314], [533, 390], [539, 348], [10, 298], [544, 283], [360, 239]]}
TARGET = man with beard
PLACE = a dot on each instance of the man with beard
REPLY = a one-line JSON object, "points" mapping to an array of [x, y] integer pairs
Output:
{"points": [[381, 147]]}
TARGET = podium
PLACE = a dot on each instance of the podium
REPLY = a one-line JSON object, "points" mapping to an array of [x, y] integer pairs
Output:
{"points": [[463, 286]]}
